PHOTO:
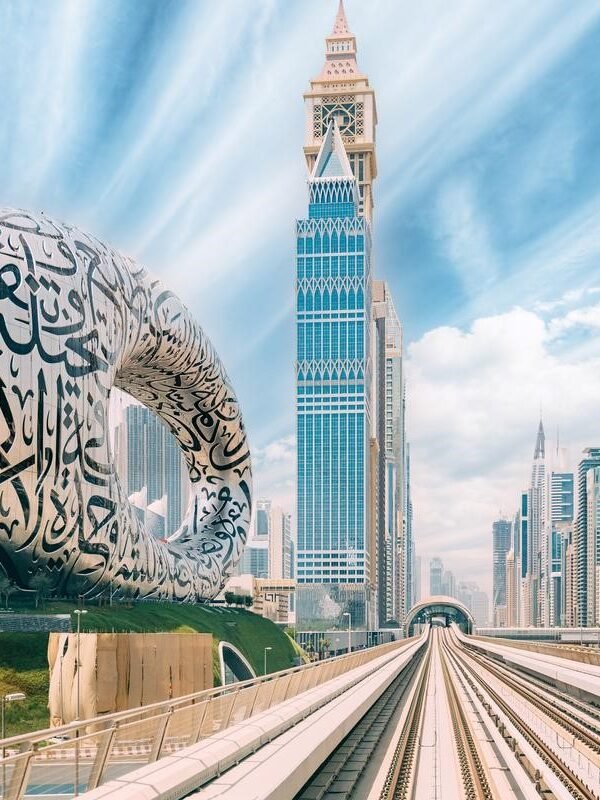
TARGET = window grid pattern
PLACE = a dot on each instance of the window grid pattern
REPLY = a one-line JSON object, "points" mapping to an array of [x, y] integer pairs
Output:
{"points": [[333, 411]]}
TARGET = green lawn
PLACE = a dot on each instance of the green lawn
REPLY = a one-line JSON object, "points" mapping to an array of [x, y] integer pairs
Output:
{"points": [[24, 666]]}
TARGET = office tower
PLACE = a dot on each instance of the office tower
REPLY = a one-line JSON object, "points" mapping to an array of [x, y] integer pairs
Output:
{"points": [[593, 544], [475, 600], [393, 555], [157, 476], [280, 543], [501, 544], [511, 585], [516, 574], [255, 557], [585, 604], [523, 572], [410, 542], [570, 595], [561, 502], [335, 540], [448, 583], [537, 571], [436, 571]]}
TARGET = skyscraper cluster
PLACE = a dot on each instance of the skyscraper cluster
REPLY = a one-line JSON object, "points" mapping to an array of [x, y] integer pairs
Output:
{"points": [[546, 559], [354, 538], [443, 582]]}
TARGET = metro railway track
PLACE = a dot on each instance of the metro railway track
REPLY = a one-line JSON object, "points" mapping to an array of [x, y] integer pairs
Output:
{"points": [[572, 706], [401, 782], [474, 671], [338, 775], [569, 719]]}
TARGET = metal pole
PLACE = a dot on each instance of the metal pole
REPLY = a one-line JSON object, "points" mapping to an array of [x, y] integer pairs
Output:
{"points": [[349, 632]]}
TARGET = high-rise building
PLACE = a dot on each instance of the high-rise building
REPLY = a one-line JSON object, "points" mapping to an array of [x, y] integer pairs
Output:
{"points": [[335, 453], [436, 572], [502, 540], [585, 604], [393, 572], [523, 600], [268, 552], [511, 585], [560, 517], [593, 544], [537, 534], [155, 469], [475, 600]]}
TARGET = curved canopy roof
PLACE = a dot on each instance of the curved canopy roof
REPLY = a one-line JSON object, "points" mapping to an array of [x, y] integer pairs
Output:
{"points": [[439, 603]]}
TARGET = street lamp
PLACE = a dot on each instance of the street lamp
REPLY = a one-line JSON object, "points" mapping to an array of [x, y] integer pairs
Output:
{"points": [[79, 612], [266, 650], [349, 615], [12, 697]]}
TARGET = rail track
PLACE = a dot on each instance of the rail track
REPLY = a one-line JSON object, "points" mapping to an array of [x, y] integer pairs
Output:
{"points": [[543, 733], [339, 774]]}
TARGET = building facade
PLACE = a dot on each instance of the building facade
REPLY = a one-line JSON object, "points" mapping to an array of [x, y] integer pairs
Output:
{"points": [[593, 544], [561, 503], [537, 545], [501, 545], [339, 548], [583, 565], [157, 482], [391, 500], [436, 576]]}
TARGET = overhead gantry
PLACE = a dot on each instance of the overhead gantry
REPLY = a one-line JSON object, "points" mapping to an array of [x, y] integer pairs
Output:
{"points": [[448, 608]]}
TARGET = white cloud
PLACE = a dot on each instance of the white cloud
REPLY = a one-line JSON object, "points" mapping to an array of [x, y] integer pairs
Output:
{"points": [[464, 234], [474, 402], [586, 318], [275, 471]]}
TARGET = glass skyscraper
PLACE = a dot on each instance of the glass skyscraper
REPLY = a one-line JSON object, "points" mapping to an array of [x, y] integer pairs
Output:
{"points": [[352, 491], [333, 303]]}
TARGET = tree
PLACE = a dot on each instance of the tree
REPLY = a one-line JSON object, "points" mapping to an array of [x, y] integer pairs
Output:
{"points": [[324, 645], [229, 598], [248, 601], [7, 587], [43, 585]]}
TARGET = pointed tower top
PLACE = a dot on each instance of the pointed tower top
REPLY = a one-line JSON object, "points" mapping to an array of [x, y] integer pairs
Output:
{"points": [[540, 443], [332, 161], [340, 26], [340, 54]]}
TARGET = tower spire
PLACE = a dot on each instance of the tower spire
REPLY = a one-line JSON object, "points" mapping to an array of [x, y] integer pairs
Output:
{"points": [[340, 26], [540, 442]]}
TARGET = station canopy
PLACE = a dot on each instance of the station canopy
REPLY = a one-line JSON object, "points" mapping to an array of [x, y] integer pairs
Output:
{"points": [[449, 608]]}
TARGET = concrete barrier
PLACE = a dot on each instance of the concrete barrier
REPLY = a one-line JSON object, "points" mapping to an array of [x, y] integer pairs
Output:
{"points": [[174, 777]]}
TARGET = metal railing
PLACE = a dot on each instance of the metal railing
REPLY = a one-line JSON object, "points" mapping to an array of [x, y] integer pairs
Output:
{"points": [[82, 755]]}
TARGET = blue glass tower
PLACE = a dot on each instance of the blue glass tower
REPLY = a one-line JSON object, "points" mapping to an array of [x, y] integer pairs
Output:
{"points": [[333, 307]]}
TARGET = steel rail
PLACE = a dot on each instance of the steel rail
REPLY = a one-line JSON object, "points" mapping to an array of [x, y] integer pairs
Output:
{"points": [[476, 780], [564, 717], [341, 771], [399, 781], [572, 782]]}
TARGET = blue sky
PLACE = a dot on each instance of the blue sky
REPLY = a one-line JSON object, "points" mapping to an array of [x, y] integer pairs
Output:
{"points": [[174, 131]]}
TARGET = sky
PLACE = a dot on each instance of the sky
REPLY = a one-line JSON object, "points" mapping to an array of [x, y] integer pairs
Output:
{"points": [[173, 129]]}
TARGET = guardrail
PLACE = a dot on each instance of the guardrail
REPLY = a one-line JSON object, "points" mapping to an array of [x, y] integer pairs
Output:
{"points": [[82, 755]]}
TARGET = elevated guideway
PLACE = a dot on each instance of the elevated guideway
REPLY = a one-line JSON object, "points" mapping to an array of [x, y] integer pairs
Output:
{"points": [[576, 670], [443, 715]]}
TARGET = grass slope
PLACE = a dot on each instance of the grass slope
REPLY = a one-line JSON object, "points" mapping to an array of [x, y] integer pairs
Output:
{"points": [[24, 665]]}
